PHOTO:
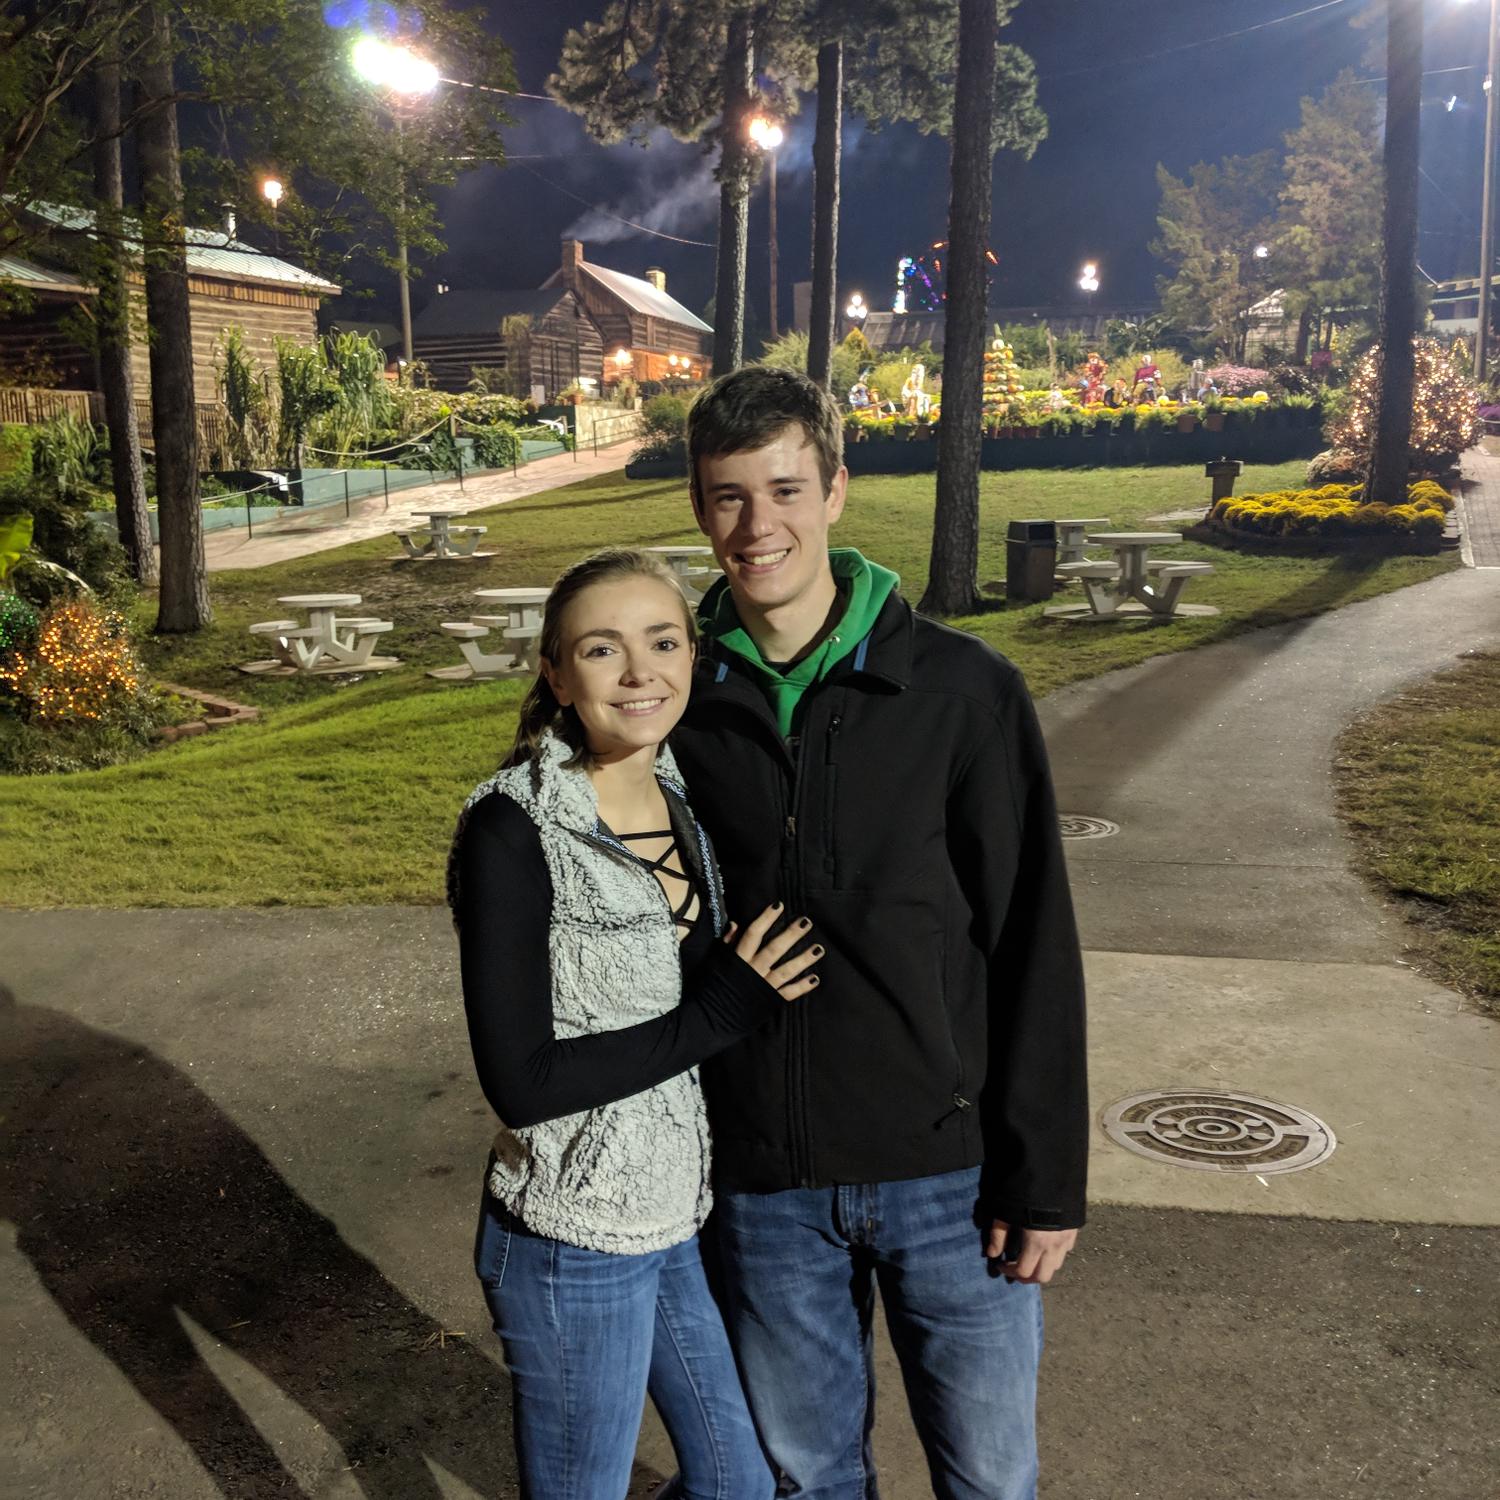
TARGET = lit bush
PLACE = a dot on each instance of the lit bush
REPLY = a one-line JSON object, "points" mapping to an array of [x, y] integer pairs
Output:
{"points": [[1444, 418]]}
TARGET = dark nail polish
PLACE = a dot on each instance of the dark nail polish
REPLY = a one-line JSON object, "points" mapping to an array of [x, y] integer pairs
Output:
{"points": [[815, 979], [817, 953], [803, 923], [776, 906]]}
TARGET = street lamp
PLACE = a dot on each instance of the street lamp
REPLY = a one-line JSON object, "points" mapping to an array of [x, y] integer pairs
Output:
{"points": [[404, 74], [856, 311], [1089, 280], [1261, 252], [271, 190], [1486, 206], [767, 135]]}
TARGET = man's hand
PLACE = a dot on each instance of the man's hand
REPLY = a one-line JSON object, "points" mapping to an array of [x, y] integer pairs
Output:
{"points": [[1041, 1255]]}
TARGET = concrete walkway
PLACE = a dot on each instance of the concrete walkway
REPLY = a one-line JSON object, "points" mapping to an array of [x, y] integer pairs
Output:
{"points": [[1479, 508], [241, 1184], [326, 528]]}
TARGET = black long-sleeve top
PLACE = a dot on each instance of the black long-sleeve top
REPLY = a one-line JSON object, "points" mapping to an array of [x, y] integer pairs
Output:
{"points": [[527, 1072]]}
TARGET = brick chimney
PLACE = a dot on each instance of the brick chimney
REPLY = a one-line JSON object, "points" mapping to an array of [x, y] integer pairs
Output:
{"points": [[572, 258], [658, 278]]}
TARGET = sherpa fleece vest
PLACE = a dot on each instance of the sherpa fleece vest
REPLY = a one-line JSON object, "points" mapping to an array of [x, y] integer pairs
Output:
{"points": [[632, 1176]]}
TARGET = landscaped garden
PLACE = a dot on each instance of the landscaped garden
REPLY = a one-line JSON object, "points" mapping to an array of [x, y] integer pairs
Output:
{"points": [[345, 790]]}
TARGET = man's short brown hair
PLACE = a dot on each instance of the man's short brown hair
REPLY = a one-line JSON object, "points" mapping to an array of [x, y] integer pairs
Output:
{"points": [[746, 409]]}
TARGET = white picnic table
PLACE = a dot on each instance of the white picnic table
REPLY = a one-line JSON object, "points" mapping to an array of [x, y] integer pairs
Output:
{"points": [[694, 574], [329, 643], [517, 614], [1071, 546], [443, 538], [1134, 584]]}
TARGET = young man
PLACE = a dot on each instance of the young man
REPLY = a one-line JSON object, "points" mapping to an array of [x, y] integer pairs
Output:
{"points": [[920, 1124]]}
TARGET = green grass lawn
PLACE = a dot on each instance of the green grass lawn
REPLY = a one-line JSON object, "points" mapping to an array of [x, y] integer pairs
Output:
{"points": [[1419, 785], [346, 791]]}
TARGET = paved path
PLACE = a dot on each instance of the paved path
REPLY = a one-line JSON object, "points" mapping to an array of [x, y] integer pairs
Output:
{"points": [[327, 527], [1479, 508], [241, 1183]]}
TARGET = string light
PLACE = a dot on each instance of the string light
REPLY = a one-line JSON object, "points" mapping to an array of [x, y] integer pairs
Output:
{"points": [[18, 622], [1444, 416], [80, 664]]}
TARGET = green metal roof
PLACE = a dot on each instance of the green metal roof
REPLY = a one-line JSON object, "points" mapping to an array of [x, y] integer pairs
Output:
{"points": [[210, 252], [41, 278]]}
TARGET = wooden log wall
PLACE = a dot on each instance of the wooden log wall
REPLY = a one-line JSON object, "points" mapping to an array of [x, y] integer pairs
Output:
{"points": [[262, 312]]}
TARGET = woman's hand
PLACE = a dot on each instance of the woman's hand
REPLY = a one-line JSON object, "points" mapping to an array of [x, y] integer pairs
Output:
{"points": [[768, 956]]}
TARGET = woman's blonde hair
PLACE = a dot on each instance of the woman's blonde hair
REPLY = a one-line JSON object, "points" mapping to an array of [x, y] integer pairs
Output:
{"points": [[540, 710]]}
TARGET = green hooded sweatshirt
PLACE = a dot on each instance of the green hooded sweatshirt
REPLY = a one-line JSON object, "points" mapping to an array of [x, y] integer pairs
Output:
{"points": [[865, 586]]}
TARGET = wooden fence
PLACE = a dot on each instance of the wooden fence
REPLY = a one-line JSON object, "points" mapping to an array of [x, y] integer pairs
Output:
{"points": [[30, 407]]}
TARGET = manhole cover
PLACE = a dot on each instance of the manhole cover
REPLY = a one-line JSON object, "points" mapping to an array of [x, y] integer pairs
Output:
{"points": [[1076, 826], [1218, 1132]]}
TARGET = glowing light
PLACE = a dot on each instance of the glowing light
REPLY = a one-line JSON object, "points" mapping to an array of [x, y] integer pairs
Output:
{"points": [[1262, 251], [856, 311], [764, 133], [623, 357], [272, 190], [1089, 280], [1450, 103], [394, 68]]}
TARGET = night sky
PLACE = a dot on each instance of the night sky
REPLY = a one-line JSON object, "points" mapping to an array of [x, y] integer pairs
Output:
{"points": [[1124, 86]]}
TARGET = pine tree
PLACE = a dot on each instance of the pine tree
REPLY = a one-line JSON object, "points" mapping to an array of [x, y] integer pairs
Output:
{"points": [[986, 74], [689, 66], [1390, 444], [1327, 236]]}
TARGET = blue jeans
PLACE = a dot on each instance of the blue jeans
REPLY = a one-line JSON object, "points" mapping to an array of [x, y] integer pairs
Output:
{"points": [[800, 1270], [586, 1335]]}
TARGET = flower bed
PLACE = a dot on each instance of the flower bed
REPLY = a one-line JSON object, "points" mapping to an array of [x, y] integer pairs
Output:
{"points": [[1032, 415], [1334, 517]]}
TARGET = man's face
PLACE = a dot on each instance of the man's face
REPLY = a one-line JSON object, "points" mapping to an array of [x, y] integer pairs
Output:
{"points": [[767, 517]]}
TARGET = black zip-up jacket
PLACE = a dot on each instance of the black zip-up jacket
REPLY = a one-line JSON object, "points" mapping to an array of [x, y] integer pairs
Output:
{"points": [[912, 818]]}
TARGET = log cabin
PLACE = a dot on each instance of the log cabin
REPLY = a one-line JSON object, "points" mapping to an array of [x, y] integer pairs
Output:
{"points": [[45, 329], [544, 341]]}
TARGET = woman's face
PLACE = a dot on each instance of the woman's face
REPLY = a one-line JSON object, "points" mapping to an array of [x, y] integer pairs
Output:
{"points": [[625, 665]]}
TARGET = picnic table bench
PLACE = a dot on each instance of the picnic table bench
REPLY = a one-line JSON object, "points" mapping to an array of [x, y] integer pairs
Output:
{"points": [[1132, 585], [331, 643], [441, 539], [520, 625]]}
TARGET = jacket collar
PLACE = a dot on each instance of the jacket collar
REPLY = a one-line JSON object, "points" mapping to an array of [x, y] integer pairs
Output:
{"points": [[885, 654]]}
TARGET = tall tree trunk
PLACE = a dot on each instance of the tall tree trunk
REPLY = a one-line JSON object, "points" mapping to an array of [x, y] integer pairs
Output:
{"points": [[952, 579], [112, 324], [184, 604], [1390, 444], [1304, 335], [827, 146], [736, 170]]}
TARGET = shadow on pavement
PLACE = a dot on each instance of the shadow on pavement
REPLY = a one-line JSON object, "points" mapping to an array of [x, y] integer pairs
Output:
{"points": [[136, 1199], [1166, 695]]}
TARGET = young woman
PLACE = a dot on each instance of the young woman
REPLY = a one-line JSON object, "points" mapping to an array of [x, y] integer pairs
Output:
{"points": [[590, 919]]}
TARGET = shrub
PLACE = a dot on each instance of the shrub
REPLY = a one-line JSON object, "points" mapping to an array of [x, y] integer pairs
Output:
{"points": [[1444, 418], [1335, 510], [496, 447], [1333, 466], [79, 667], [1239, 380], [1293, 379], [62, 534], [68, 452], [15, 449]]}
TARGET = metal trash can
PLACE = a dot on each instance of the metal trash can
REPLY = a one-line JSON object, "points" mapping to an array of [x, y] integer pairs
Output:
{"points": [[1030, 559]]}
